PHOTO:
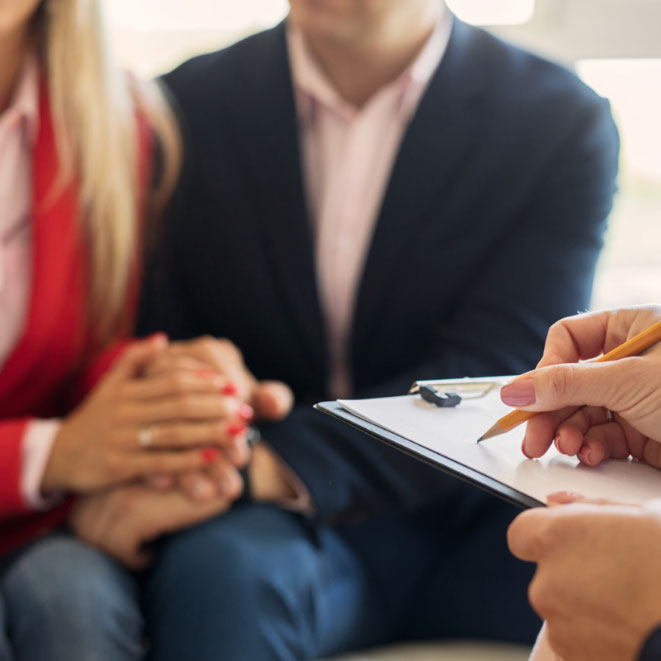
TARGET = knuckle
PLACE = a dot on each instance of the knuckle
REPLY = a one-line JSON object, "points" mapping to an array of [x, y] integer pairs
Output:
{"points": [[206, 342], [114, 465], [537, 596], [179, 384], [547, 537], [174, 435], [122, 391], [558, 381], [186, 404]]}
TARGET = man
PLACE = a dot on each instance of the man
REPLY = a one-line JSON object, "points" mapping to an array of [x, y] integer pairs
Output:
{"points": [[373, 193]]}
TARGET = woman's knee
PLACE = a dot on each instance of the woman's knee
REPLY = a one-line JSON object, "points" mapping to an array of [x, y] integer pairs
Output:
{"points": [[61, 583]]}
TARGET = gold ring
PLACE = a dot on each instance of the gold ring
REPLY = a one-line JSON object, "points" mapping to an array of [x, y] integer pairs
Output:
{"points": [[146, 437]]}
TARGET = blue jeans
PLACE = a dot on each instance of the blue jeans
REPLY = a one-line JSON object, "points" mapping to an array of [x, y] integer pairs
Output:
{"points": [[61, 600], [255, 584]]}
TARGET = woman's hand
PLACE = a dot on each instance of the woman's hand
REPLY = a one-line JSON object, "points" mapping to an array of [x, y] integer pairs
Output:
{"points": [[269, 400], [597, 583], [133, 426], [578, 396], [122, 520]]}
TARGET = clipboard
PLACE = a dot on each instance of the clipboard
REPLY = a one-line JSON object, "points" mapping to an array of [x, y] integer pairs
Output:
{"points": [[446, 438], [434, 459]]}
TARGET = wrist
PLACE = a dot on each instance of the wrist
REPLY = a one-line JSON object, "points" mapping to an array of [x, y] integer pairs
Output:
{"points": [[266, 479], [54, 477]]}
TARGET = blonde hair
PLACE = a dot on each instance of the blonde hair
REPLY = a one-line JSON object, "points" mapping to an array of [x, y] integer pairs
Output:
{"points": [[93, 104]]}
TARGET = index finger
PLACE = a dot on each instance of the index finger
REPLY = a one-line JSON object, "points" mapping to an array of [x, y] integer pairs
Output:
{"points": [[223, 357], [594, 333], [575, 338]]}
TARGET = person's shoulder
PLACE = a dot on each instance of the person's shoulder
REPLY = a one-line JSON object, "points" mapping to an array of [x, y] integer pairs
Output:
{"points": [[204, 76], [526, 79]]}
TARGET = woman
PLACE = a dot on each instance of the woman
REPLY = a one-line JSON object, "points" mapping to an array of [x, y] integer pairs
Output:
{"points": [[76, 144], [597, 583]]}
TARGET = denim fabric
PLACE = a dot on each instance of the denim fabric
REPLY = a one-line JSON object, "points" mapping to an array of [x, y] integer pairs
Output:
{"points": [[255, 584], [64, 601]]}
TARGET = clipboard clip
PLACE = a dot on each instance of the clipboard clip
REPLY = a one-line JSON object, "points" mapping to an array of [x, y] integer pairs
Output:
{"points": [[450, 393], [444, 400]]}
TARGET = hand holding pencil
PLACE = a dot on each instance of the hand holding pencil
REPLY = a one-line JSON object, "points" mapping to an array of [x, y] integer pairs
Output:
{"points": [[608, 407]]}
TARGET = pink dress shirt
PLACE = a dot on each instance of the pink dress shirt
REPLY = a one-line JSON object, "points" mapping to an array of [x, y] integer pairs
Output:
{"points": [[348, 155], [18, 132]]}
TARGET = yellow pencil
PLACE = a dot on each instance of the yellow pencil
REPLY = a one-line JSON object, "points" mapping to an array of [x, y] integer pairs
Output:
{"points": [[632, 347]]}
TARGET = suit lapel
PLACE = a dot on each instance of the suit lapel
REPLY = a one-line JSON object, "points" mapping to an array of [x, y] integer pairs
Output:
{"points": [[269, 130], [436, 141]]}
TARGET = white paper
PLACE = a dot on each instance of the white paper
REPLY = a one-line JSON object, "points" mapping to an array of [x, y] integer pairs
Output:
{"points": [[453, 433]]}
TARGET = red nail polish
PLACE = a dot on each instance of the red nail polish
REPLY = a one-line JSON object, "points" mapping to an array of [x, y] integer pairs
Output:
{"points": [[236, 428], [246, 412], [230, 389], [210, 455]]}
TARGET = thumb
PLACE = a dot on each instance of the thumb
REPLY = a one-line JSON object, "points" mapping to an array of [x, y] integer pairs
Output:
{"points": [[562, 386], [272, 400], [135, 358]]}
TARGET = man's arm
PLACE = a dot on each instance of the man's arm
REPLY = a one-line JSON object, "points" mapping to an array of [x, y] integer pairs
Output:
{"points": [[540, 270]]}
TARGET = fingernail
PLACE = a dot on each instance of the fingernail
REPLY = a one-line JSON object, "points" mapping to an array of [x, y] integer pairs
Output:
{"points": [[236, 428], [230, 389], [563, 497], [158, 338], [585, 455], [246, 412], [556, 442], [518, 393], [205, 373], [210, 455]]}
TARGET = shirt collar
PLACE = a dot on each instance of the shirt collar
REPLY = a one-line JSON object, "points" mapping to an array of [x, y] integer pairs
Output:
{"points": [[24, 106], [312, 85]]}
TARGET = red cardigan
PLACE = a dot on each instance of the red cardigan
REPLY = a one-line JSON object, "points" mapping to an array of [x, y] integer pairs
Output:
{"points": [[49, 365]]}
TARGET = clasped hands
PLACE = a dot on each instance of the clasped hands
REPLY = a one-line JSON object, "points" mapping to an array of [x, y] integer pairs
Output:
{"points": [[156, 447]]}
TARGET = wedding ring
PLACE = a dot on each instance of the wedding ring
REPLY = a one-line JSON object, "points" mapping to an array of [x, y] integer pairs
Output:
{"points": [[610, 415], [146, 437]]}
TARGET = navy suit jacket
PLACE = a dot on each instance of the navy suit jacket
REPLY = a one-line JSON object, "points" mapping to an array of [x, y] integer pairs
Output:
{"points": [[489, 232], [652, 648]]}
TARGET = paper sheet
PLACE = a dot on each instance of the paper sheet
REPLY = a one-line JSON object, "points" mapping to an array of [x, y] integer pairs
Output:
{"points": [[453, 433]]}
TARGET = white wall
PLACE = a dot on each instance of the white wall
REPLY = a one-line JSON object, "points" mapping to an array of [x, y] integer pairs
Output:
{"points": [[578, 29]]}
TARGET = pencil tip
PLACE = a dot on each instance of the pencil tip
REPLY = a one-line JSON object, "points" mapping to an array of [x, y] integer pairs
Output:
{"points": [[491, 432]]}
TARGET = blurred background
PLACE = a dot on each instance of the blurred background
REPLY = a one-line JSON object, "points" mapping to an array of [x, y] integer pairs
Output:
{"points": [[614, 46]]}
